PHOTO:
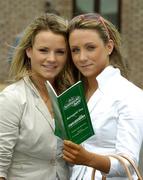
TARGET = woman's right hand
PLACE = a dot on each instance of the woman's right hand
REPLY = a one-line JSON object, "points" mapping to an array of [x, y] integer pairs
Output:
{"points": [[76, 154]]}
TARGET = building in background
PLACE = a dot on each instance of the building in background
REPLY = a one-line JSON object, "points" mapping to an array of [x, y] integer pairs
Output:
{"points": [[15, 16], [125, 14], [109, 9]]}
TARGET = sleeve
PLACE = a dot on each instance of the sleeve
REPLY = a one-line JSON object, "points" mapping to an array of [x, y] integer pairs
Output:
{"points": [[129, 132], [9, 129]]}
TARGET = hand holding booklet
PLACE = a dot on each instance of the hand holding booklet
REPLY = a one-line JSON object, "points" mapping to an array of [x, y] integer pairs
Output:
{"points": [[71, 115]]}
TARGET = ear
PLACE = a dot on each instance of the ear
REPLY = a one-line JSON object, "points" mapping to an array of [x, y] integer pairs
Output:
{"points": [[29, 52], [110, 46]]}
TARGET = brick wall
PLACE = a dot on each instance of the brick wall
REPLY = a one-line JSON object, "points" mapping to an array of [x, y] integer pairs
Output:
{"points": [[132, 33], [132, 41], [16, 15]]}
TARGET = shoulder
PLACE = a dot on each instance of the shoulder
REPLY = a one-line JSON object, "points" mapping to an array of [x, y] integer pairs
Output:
{"points": [[12, 103], [115, 83], [120, 90], [128, 96], [14, 93], [13, 88], [127, 88]]}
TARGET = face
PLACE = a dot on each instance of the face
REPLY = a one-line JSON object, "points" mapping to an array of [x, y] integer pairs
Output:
{"points": [[89, 53], [48, 55]]}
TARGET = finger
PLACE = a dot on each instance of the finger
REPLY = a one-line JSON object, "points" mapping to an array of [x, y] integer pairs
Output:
{"points": [[68, 159], [68, 154], [72, 151], [68, 148], [71, 144]]}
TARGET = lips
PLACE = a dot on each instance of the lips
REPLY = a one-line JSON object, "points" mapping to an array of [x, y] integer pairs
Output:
{"points": [[86, 65], [49, 66]]}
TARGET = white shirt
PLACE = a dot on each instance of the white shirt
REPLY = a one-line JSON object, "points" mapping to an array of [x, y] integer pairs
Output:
{"points": [[116, 110]]}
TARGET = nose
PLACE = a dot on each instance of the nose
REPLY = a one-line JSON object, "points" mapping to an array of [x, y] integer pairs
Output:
{"points": [[82, 56], [51, 57]]}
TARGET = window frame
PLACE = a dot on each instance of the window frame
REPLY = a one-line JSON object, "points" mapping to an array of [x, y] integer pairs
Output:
{"points": [[97, 4]]}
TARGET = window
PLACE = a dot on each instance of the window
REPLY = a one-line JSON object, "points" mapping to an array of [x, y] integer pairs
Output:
{"points": [[83, 6], [110, 9]]}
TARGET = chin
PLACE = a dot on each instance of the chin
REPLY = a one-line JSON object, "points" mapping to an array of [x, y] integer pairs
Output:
{"points": [[49, 78], [87, 74]]}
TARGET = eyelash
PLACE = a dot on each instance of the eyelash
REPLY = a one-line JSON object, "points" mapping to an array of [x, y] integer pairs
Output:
{"points": [[75, 50], [60, 52], [43, 50], [57, 52], [89, 48]]}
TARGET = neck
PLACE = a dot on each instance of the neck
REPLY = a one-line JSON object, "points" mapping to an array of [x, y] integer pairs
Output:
{"points": [[92, 85], [40, 86]]}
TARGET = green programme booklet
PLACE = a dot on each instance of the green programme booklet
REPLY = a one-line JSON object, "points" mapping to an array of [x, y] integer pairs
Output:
{"points": [[71, 115]]}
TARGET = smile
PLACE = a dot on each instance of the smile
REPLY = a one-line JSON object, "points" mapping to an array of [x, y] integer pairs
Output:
{"points": [[49, 67], [86, 66]]}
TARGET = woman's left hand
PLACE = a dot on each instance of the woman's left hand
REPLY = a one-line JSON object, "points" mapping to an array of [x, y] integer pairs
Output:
{"points": [[76, 154]]}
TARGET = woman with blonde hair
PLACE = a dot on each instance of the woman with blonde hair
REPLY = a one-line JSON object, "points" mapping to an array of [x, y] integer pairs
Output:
{"points": [[29, 150], [114, 103]]}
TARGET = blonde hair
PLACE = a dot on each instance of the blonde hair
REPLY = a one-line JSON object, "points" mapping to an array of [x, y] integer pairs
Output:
{"points": [[21, 65], [106, 30]]}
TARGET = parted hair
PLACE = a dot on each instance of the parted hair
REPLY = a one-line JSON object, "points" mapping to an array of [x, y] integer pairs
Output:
{"points": [[21, 66], [106, 31]]}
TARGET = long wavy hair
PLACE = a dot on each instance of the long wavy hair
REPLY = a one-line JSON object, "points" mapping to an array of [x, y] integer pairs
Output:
{"points": [[106, 30], [21, 65]]}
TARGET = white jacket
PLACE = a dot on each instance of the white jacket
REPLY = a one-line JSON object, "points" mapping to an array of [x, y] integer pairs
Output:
{"points": [[29, 150]]}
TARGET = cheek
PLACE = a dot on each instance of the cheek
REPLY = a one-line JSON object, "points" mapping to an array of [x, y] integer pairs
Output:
{"points": [[103, 61], [34, 61], [102, 55], [62, 62], [75, 62], [75, 58]]}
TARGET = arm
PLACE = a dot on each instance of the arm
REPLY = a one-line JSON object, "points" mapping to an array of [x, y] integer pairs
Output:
{"points": [[9, 129], [129, 129], [76, 154], [129, 132]]}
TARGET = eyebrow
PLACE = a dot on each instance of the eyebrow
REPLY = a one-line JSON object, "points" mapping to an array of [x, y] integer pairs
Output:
{"points": [[88, 43]]}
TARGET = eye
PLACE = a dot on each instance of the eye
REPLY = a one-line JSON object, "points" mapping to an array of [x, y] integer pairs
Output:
{"points": [[90, 47], [75, 50], [44, 50], [60, 52]]}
